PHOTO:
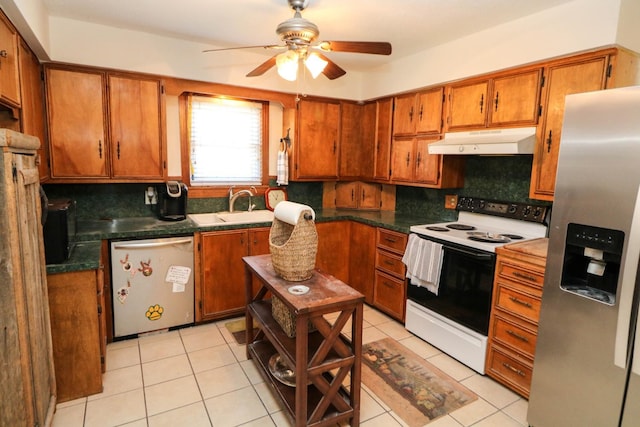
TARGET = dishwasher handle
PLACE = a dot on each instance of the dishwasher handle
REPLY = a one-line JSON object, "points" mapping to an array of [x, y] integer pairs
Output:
{"points": [[150, 244]]}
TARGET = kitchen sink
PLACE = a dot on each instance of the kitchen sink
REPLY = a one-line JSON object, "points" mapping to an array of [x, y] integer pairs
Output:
{"points": [[230, 218]]}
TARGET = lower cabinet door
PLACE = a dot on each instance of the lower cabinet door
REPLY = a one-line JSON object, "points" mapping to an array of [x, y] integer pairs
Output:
{"points": [[389, 295]]}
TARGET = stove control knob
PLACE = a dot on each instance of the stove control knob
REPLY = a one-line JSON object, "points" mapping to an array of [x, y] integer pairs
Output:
{"points": [[537, 212], [512, 209], [481, 204], [527, 210]]}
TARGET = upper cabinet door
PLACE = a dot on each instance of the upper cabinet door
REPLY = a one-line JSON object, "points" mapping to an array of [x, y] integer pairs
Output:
{"points": [[136, 133], [9, 75], [515, 99], [76, 117], [384, 116], [429, 111], [404, 115], [316, 151], [468, 105]]}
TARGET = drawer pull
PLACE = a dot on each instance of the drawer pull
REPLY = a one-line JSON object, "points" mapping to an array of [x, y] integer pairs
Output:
{"points": [[519, 301], [386, 261], [517, 335], [512, 369], [523, 276], [389, 239], [387, 284]]}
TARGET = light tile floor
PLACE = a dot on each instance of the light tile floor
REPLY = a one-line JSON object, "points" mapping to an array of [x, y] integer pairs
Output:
{"points": [[200, 376]]}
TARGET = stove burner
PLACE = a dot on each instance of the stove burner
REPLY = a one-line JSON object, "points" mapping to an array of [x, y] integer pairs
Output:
{"points": [[436, 228], [512, 236], [458, 226], [482, 236]]}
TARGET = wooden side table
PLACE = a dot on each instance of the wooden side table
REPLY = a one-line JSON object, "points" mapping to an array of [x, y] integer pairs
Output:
{"points": [[321, 359]]}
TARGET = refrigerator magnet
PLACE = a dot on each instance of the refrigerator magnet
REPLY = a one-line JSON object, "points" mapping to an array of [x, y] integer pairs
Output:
{"points": [[123, 293]]}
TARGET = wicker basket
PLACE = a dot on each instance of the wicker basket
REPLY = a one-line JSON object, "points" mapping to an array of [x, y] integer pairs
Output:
{"points": [[294, 248], [285, 318]]}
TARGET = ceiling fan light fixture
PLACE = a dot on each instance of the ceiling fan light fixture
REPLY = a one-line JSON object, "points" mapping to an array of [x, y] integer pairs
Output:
{"points": [[315, 64], [287, 65]]}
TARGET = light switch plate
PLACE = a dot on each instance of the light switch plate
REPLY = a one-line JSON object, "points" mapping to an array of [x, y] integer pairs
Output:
{"points": [[450, 201]]}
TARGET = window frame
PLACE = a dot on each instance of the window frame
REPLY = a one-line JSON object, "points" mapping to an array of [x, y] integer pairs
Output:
{"points": [[200, 191]]}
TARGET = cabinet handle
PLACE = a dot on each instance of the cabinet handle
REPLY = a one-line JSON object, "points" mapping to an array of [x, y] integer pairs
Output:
{"points": [[408, 158], [411, 114], [363, 195], [549, 140], [420, 113], [100, 148], [353, 196], [523, 276], [519, 301], [517, 335], [389, 239], [387, 284], [418, 159], [482, 102], [511, 368], [334, 147], [389, 262], [3, 53], [118, 150], [495, 101]]}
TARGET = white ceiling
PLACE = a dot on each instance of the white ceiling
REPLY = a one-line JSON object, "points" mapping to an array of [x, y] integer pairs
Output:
{"points": [[410, 26]]}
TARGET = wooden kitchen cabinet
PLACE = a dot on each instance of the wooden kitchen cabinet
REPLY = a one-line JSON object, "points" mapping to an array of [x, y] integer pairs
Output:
{"points": [[563, 79], [76, 302], [9, 64], [417, 113], [516, 301], [358, 195], [502, 100], [362, 259], [390, 284], [411, 164], [357, 139], [317, 147], [221, 292], [333, 248], [384, 126], [104, 127], [27, 375]]}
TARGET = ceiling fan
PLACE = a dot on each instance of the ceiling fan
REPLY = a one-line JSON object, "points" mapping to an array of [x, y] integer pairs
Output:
{"points": [[299, 36]]}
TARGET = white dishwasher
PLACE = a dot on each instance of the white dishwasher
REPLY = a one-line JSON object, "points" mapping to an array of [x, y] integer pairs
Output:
{"points": [[152, 284]]}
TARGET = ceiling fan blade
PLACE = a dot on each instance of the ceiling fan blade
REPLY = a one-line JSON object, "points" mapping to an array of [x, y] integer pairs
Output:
{"points": [[268, 46], [376, 48], [332, 71], [264, 67]]}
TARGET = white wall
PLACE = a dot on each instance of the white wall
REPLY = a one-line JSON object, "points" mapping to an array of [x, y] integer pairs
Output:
{"points": [[568, 28]]}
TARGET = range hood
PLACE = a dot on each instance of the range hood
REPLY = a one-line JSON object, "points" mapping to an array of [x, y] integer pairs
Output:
{"points": [[487, 142]]}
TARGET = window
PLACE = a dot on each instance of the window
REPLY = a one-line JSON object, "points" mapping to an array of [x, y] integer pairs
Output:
{"points": [[226, 141]]}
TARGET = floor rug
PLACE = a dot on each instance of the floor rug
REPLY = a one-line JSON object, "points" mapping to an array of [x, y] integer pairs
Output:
{"points": [[237, 329], [412, 387]]}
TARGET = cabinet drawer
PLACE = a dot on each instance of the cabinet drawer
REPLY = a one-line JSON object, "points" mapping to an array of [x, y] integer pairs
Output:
{"points": [[517, 303], [391, 240], [514, 336], [390, 263], [389, 294], [507, 369], [514, 272]]}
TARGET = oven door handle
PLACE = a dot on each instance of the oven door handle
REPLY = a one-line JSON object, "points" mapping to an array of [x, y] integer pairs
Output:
{"points": [[476, 255]]}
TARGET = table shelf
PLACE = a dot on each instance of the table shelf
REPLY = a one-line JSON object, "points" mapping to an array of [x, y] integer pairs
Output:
{"points": [[321, 359]]}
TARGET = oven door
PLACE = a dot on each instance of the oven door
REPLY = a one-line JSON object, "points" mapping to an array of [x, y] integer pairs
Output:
{"points": [[465, 288]]}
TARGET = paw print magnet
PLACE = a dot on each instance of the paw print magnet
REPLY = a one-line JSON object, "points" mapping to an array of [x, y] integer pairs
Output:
{"points": [[154, 312]]}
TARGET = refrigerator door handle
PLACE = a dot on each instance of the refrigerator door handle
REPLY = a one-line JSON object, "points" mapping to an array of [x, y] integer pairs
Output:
{"points": [[151, 245], [625, 299]]}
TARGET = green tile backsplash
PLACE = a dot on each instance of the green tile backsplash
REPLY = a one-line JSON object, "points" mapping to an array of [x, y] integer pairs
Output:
{"points": [[491, 177]]}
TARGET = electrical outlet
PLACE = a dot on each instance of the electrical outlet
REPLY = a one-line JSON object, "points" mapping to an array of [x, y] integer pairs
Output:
{"points": [[150, 196], [450, 201]]}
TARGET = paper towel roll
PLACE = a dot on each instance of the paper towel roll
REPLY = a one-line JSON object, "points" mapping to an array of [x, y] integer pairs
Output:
{"points": [[289, 212]]}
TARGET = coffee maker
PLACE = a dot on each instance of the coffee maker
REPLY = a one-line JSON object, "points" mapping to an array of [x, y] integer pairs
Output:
{"points": [[172, 201]]}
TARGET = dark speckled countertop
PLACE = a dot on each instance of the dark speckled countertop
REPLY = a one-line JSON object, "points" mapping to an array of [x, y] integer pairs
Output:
{"points": [[86, 253]]}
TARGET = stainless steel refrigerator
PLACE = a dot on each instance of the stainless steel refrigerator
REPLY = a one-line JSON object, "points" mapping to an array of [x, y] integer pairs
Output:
{"points": [[587, 363]]}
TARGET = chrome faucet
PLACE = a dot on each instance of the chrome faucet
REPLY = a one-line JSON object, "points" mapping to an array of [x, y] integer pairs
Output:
{"points": [[234, 196]]}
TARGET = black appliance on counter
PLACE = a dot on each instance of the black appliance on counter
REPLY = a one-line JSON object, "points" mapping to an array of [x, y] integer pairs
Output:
{"points": [[59, 230], [172, 201]]}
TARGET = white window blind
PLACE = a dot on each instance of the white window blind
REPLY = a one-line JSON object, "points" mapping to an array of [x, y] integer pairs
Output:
{"points": [[226, 141]]}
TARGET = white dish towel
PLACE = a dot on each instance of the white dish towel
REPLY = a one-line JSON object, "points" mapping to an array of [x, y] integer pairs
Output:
{"points": [[423, 259], [282, 167]]}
